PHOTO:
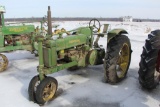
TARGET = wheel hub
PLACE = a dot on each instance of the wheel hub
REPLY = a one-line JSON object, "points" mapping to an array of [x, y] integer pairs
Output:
{"points": [[49, 91]]}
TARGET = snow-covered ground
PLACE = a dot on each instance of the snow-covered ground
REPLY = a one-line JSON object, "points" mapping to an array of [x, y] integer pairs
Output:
{"points": [[88, 89]]}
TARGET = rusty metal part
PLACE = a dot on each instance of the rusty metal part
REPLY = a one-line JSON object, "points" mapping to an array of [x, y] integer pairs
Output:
{"points": [[3, 62], [49, 91], [123, 60]]}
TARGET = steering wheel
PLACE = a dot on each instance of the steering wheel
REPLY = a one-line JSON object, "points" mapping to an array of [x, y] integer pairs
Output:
{"points": [[95, 24]]}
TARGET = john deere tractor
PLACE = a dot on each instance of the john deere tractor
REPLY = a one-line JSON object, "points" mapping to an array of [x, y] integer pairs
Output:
{"points": [[15, 37], [79, 49], [149, 71]]}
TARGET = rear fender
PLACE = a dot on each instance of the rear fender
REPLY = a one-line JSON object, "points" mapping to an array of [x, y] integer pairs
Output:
{"points": [[115, 32]]}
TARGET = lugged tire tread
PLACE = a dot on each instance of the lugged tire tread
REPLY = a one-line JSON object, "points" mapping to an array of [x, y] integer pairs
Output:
{"points": [[148, 60], [113, 48]]}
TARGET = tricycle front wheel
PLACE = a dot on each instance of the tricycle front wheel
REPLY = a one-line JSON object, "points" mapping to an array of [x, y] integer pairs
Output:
{"points": [[46, 90], [35, 81]]}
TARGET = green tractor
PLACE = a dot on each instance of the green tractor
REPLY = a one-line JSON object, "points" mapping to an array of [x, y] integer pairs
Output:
{"points": [[149, 66], [79, 49], [15, 37]]}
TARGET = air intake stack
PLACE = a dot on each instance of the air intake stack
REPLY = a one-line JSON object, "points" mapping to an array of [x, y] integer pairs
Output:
{"points": [[49, 21]]}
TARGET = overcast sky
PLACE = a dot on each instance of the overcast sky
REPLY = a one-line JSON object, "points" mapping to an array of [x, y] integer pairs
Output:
{"points": [[83, 8]]}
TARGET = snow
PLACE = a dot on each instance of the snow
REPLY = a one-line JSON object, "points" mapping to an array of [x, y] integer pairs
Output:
{"points": [[83, 87]]}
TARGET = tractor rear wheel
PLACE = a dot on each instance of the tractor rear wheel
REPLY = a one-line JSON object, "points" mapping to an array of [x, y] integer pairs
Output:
{"points": [[149, 71], [117, 59], [3, 62]]}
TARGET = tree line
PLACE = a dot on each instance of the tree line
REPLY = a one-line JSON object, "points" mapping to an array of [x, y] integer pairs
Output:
{"points": [[37, 19]]}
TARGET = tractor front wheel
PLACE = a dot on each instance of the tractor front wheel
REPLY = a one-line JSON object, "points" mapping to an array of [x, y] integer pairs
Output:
{"points": [[117, 59], [46, 90], [3, 62], [35, 81]]}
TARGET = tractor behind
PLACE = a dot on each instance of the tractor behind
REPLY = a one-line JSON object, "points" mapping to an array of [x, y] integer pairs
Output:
{"points": [[15, 37]]}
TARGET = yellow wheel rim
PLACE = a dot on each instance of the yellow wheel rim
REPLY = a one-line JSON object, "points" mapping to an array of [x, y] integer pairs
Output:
{"points": [[3, 62], [49, 91], [123, 61]]}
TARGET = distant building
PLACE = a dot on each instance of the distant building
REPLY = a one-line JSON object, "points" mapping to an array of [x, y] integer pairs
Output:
{"points": [[127, 19]]}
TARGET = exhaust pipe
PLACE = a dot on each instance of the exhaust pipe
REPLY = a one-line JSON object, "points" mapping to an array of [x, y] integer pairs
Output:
{"points": [[49, 21]]}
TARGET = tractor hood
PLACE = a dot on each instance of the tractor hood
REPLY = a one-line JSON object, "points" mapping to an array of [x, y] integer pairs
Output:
{"points": [[67, 42], [17, 29]]}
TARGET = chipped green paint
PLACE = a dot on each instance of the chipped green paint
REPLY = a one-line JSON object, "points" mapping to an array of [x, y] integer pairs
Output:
{"points": [[13, 48], [7, 30], [51, 49], [67, 42]]}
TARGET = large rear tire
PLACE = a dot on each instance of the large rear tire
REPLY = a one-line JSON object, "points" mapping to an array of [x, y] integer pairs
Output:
{"points": [[150, 61], [117, 59]]}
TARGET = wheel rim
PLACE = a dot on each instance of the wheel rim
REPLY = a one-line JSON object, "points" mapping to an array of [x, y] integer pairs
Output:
{"points": [[3, 62], [123, 61], [49, 91]]}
